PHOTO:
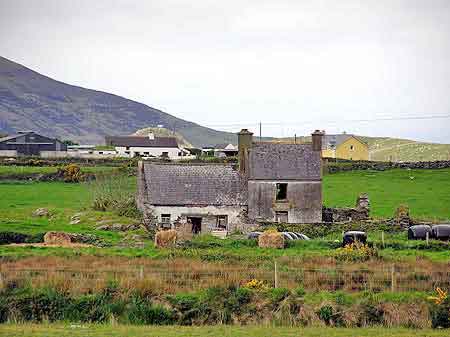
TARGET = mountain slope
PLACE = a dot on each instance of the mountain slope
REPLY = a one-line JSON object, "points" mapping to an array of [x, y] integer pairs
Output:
{"points": [[31, 101], [395, 149]]}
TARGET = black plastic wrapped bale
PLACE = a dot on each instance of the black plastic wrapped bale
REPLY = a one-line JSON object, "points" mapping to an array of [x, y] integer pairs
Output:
{"points": [[441, 232], [419, 232], [253, 235], [353, 236]]}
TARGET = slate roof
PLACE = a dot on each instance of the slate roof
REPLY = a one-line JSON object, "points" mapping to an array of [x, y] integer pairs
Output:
{"points": [[194, 185], [141, 141], [275, 161], [333, 141]]}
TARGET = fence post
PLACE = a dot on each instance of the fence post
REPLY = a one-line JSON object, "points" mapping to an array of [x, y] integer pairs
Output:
{"points": [[276, 274], [427, 235], [393, 278], [382, 239], [141, 272]]}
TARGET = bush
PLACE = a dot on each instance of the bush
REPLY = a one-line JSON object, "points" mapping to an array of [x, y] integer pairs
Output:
{"points": [[13, 237], [325, 313], [440, 309], [114, 193], [371, 314], [140, 311], [355, 252], [278, 294], [300, 291], [71, 173]]}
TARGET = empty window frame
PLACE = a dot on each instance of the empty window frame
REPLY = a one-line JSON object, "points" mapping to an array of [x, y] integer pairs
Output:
{"points": [[281, 216], [281, 191], [165, 154], [222, 222], [351, 147], [165, 218]]}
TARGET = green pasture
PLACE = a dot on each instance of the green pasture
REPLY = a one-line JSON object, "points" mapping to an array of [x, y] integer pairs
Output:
{"points": [[427, 192], [88, 330]]}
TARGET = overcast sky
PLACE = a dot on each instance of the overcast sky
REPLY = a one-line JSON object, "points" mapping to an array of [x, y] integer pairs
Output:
{"points": [[293, 65]]}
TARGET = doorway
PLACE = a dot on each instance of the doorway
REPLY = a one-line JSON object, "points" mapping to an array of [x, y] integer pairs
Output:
{"points": [[196, 224]]}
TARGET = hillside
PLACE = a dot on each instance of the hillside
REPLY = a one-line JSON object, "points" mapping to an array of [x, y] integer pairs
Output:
{"points": [[385, 149], [31, 101], [395, 149]]}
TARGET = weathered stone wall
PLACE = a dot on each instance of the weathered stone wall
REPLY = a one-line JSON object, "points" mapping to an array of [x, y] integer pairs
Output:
{"points": [[330, 167], [237, 216], [361, 211], [303, 203]]}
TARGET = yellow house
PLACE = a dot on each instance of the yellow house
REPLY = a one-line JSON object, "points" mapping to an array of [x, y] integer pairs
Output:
{"points": [[344, 146]]}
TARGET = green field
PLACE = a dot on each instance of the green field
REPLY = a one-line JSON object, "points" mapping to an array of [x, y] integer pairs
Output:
{"points": [[83, 330], [426, 192], [7, 170], [427, 195]]}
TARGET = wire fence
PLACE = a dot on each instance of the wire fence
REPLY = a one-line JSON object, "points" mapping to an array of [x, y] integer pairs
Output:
{"points": [[280, 274]]}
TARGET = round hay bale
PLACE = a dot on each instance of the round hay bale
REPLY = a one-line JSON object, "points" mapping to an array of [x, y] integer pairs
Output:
{"points": [[57, 238], [165, 239], [271, 240]]}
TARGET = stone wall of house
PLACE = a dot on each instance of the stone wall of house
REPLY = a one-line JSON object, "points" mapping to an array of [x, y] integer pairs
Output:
{"points": [[236, 216], [303, 202]]}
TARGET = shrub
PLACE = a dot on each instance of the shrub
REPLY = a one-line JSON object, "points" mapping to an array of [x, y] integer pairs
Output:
{"points": [[71, 173], [355, 252], [140, 311], [188, 306], [440, 309], [255, 284], [13, 237], [114, 193], [300, 291], [371, 314], [278, 294], [325, 313]]}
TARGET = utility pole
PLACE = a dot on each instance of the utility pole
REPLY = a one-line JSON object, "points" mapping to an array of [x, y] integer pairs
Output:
{"points": [[295, 138], [260, 131]]}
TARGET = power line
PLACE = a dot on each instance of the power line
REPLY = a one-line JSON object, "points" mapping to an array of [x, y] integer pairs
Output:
{"points": [[239, 124]]}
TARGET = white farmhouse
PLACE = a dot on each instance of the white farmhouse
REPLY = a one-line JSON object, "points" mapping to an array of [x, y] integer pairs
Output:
{"points": [[147, 146]]}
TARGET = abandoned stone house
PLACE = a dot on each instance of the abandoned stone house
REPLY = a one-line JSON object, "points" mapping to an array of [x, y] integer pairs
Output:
{"points": [[272, 182]]}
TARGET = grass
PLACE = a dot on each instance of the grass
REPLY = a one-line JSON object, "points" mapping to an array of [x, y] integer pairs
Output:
{"points": [[63, 200], [426, 192], [86, 330], [7, 170], [427, 195]]}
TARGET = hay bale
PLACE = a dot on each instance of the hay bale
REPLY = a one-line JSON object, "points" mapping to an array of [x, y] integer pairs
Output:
{"points": [[165, 239], [57, 238], [271, 240]]}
